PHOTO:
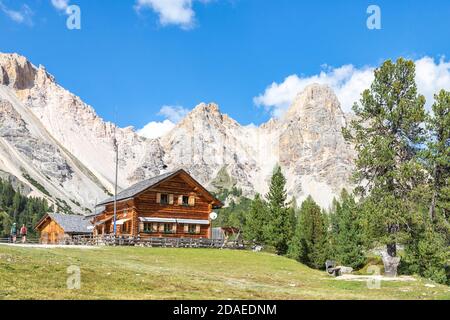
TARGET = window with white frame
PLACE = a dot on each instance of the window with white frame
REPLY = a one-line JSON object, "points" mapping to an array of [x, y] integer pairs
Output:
{"points": [[164, 199], [169, 228], [150, 227]]}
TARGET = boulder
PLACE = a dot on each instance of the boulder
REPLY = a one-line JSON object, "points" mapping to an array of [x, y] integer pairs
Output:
{"points": [[345, 270], [390, 264]]}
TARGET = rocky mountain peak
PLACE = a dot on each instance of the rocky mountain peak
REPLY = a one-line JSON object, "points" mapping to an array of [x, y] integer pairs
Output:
{"points": [[207, 113], [20, 74], [271, 125], [313, 148], [317, 90], [314, 98], [205, 110], [16, 72]]}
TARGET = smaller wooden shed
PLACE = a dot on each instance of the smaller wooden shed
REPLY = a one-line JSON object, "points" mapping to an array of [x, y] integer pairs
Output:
{"points": [[56, 228]]}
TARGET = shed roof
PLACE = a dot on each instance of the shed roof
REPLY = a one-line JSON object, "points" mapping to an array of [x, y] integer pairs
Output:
{"points": [[71, 223]]}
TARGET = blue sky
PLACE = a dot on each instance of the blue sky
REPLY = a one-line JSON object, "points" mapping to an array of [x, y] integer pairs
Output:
{"points": [[183, 52]]}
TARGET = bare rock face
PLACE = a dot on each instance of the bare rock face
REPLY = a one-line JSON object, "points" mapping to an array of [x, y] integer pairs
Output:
{"points": [[45, 156], [207, 141], [56, 144], [69, 149], [16, 71], [16, 183], [307, 143], [312, 145], [4, 79]]}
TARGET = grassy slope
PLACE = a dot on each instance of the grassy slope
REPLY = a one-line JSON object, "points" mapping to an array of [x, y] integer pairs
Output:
{"points": [[143, 273]]}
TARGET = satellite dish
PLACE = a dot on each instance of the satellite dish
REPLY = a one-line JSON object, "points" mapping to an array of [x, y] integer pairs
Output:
{"points": [[213, 216]]}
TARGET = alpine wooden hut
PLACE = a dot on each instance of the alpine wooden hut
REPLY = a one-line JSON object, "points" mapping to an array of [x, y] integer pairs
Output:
{"points": [[170, 205]]}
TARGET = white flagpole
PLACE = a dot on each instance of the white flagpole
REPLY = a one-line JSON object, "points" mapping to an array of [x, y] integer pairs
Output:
{"points": [[116, 148]]}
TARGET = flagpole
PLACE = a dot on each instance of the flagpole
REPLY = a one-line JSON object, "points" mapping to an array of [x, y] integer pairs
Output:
{"points": [[115, 189], [116, 148]]}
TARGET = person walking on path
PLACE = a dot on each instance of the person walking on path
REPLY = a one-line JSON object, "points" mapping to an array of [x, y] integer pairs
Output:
{"points": [[23, 233], [14, 232]]}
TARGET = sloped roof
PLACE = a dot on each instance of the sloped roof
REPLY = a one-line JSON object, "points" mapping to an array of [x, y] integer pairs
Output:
{"points": [[72, 223], [98, 211], [147, 184], [137, 188]]}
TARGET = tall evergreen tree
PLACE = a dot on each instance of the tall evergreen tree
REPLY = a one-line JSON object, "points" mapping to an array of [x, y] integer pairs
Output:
{"points": [[234, 214], [309, 244], [14, 207], [438, 155], [426, 250], [348, 246], [293, 209], [7, 194], [387, 134], [256, 220], [5, 224], [278, 229]]}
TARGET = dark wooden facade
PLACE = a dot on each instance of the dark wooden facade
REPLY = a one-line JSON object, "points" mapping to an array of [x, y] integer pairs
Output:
{"points": [[176, 206]]}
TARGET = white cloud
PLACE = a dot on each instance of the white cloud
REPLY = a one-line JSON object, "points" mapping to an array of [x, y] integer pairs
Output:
{"points": [[173, 113], [60, 4], [22, 16], [171, 12], [63, 6], [349, 82], [432, 77], [155, 129]]}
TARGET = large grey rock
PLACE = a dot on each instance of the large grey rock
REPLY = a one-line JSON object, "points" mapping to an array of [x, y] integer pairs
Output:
{"points": [[345, 270], [390, 265]]}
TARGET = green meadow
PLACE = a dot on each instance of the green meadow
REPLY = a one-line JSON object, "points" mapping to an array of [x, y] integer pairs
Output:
{"points": [[150, 273]]}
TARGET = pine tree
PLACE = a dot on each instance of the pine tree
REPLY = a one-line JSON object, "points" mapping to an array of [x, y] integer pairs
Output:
{"points": [[234, 214], [309, 244], [348, 246], [7, 194], [426, 250], [387, 134], [17, 208], [5, 224], [293, 209], [256, 220], [278, 229], [437, 155], [334, 226]]}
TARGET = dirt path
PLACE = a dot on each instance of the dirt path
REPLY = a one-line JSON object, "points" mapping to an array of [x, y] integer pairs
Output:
{"points": [[352, 277], [45, 246]]}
